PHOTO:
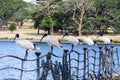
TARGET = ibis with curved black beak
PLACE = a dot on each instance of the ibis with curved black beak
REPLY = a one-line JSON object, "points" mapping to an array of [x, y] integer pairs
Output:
{"points": [[51, 41], [25, 44], [72, 40]]}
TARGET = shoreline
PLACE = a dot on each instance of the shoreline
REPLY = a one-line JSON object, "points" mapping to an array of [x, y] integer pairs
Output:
{"points": [[31, 34]]}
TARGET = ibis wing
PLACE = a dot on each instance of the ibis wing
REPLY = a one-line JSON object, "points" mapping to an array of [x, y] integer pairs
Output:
{"points": [[88, 40], [104, 39], [52, 41], [72, 40], [25, 44]]}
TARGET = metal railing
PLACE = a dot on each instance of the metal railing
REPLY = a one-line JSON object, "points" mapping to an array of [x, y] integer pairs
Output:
{"points": [[87, 65]]}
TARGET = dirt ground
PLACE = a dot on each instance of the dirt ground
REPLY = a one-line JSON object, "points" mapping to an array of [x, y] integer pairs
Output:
{"points": [[32, 34], [28, 32]]}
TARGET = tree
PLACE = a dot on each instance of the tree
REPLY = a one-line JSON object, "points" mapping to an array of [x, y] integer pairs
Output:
{"points": [[12, 27], [47, 8], [101, 14], [7, 11], [77, 9], [22, 14], [47, 22]]}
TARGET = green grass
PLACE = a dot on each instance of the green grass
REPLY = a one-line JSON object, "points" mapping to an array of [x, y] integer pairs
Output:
{"points": [[61, 40], [5, 38]]}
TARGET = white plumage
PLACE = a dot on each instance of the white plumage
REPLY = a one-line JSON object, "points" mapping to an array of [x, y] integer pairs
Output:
{"points": [[71, 39], [88, 40], [105, 39], [25, 44], [51, 41]]}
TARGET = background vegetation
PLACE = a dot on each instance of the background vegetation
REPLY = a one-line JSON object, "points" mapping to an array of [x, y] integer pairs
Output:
{"points": [[58, 16]]}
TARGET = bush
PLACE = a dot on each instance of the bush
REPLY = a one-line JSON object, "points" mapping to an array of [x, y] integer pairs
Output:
{"points": [[116, 32], [12, 27]]}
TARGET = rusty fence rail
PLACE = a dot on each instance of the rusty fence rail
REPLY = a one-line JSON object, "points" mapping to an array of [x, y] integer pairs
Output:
{"points": [[73, 65]]}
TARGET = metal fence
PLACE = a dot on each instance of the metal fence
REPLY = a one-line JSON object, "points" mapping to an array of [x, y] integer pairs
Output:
{"points": [[87, 65]]}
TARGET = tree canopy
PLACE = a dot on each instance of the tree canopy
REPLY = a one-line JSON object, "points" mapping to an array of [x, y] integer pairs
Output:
{"points": [[67, 15], [13, 9]]}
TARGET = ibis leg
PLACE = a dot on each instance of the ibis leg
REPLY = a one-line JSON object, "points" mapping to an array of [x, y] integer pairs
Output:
{"points": [[22, 64], [26, 54], [51, 49]]}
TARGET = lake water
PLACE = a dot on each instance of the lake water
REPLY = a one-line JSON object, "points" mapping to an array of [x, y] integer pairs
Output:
{"points": [[11, 48]]}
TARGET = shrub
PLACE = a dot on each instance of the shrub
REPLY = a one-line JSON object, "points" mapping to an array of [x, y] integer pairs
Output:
{"points": [[12, 27]]}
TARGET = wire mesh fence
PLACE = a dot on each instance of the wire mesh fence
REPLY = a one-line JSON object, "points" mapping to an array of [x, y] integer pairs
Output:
{"points": [[88, 64]]}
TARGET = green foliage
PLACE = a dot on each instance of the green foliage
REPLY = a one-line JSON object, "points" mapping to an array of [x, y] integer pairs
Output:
{"points": [[55, 2], [12, 27], [15, 12], [23, 14], [117, 26], [88, 28], [47, 22], [7, 10], [104, 14], [58, 17], [44, 14], [116, 31], [36, 24]]}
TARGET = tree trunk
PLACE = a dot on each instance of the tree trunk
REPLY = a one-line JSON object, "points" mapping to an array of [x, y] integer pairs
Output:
{"points": [[79, 29], [96, 28], [95, 31], [0, 23], [81, 19], [48, 31], [38, 31], [51, 26], [21, 23], [52, 30]]}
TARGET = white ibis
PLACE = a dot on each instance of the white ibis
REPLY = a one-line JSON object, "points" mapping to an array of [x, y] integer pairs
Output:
{"points": [[25, 44], [105, 39], [51, 41], [88, 40], [71, 39]]}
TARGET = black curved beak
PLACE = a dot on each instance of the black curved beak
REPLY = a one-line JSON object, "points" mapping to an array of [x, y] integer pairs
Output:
{"points": [[14, 38], [97, 37], [42, 38], [80, 41], [63, 36], [66, 34], [94, 42]]}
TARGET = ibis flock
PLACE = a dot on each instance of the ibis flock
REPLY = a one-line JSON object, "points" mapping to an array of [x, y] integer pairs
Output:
{"points": [[53, 41]]}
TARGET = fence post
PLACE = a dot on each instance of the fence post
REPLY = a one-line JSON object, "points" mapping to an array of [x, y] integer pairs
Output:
{"points": [[87, 54], [94, 62], [69, 63], [38, 64], [78, 66], [100, 62], [22, 65], [112, 62], [65, 66], [117, 57], [84, 71]]}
